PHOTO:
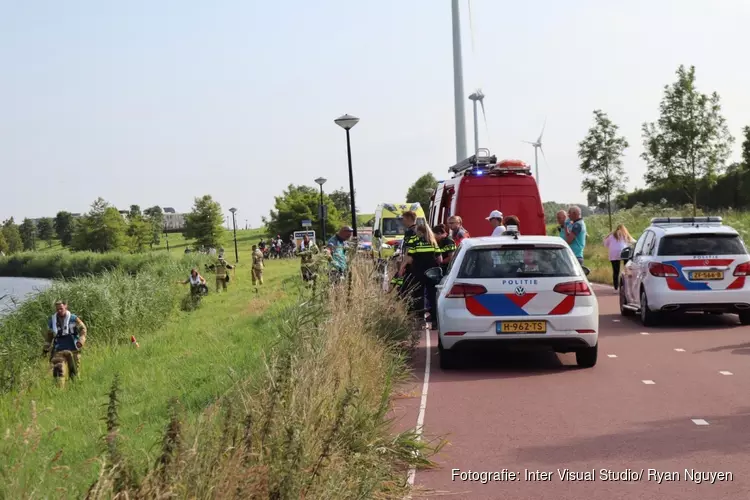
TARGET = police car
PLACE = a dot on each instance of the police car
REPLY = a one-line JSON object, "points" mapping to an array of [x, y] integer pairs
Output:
{"points": [[516, 291], [684, 264]]}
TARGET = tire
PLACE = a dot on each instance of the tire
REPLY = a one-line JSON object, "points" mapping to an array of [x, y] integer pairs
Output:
{"points": [[447, 358], [586, 357], [745, 318], [624, 311], [648, 317]]}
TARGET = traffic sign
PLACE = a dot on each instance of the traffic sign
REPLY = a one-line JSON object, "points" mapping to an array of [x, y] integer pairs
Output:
{"points": [[306, 223]]}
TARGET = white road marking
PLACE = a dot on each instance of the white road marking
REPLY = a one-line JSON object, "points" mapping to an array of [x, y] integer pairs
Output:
{"points": [[644, 333], [611, 355], [648, 382], [423, 402], [699, 421], [615, 321], [680, 350], [725, 373]]}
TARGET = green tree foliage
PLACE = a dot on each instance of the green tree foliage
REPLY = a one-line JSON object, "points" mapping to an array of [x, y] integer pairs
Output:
{"points": [[296, 204], [28, 234], [140, 233], [46, 230], [552, 207], [204, 222], [65, 225], [103, 229], [343, 203], [3, 244], [12, 236], [690, 142], [601, 153], [421, 191], [135, 211], [155, 217], [746, 148]]}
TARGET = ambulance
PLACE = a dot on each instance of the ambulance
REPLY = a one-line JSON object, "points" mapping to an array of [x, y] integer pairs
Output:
{"points": [[481, 184], [389, 227]]}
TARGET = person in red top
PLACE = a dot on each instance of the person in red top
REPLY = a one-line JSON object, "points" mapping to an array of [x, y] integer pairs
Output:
{"points": [[457, 231]]}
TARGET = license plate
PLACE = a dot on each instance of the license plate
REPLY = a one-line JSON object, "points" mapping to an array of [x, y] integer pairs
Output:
{"points": [[522, 327], [707, 275]]}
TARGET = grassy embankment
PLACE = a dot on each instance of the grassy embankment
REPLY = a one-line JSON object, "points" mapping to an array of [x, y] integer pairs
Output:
{"points": [[636, 220], [341, 378]]}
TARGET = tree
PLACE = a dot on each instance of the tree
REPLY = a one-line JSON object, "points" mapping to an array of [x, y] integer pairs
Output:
{"points": [[746, 149], [343, 203], [103, 229], [140, 233], [135, 211], [28, 234], [690, 142], [421, 191], [204, 223], [155, 217], [3, 244], [12, 236], [601, 153], [45, 230], [64, 228], [298, 203]]}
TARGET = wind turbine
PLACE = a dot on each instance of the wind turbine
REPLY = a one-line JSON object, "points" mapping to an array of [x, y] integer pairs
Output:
{"points": [[458, 84], [538, 147], [477, 96]]}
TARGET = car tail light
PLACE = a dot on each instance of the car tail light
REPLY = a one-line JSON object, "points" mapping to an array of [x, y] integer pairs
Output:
{"points": [[455, 334], [573, 288], [663, 270], [742, 269], [461, 291], [586, 331]]}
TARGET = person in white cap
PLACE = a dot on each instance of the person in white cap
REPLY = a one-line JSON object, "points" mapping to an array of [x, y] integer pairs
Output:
{"points": [[496, 220]]}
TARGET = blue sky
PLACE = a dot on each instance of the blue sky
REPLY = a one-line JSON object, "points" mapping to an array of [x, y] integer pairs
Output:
{"points": [[159, 102]]}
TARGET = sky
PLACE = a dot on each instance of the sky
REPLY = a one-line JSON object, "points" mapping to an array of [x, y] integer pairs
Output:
{"points": [[156, 103]]}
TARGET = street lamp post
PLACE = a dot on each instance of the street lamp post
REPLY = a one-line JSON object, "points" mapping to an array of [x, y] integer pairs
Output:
{"points": [[166, 235], [347, 122], [234, 224], [320, 181]]}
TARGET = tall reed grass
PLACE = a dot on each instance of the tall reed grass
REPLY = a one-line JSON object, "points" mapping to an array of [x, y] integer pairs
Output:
{"points": [[65, 264], [113, 305], [313, 426]]}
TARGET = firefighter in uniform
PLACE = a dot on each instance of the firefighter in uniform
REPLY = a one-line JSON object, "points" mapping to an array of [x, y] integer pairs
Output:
{"points": [[257, 265], [222, 276], [66, 336]]}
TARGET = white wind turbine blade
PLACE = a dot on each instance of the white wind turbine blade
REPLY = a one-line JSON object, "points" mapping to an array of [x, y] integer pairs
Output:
{"points": [[481, 102], [544, 156], [542, 133]]}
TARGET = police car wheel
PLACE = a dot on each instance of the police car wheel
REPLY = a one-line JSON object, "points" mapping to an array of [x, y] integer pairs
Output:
{"points": [[648, 317], [447, 358], [586, 357], [745, 318]]}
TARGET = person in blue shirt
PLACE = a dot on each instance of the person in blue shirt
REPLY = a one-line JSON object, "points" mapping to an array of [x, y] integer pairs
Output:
{"points": [[336, 250], [575, 232]]}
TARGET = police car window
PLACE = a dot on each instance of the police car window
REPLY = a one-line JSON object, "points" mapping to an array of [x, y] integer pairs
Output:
{"points": [[702, 244], [648, 246], [641, 241], [515, 261]]}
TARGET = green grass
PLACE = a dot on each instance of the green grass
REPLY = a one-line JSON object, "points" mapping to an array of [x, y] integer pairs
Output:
{"points": [[53, 437]]}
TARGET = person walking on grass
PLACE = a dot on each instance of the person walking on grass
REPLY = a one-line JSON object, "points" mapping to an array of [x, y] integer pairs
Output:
{"points": [[307, 252], [257, 265], [336, 253], [222, 274], [66, 336], [617, 241]]}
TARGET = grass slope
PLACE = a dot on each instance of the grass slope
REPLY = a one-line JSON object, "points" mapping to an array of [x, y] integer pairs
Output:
{"points": [[54, 439]]}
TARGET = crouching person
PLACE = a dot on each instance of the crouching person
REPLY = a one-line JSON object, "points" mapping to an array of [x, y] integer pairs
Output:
{"points": [[66, 336]]}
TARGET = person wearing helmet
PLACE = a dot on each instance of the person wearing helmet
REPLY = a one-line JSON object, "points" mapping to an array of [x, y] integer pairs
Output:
{"points": [[222, 276]]}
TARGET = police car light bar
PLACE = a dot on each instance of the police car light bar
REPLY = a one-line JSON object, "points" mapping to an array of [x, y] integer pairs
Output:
{"points": [[686, 220], [477, 160]]}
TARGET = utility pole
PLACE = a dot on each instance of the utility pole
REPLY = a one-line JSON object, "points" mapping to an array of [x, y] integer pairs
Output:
{"points": [[458, 86]]}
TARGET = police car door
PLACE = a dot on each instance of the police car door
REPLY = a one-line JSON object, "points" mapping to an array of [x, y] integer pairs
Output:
{"points": [[631, 282], [641, 260]]}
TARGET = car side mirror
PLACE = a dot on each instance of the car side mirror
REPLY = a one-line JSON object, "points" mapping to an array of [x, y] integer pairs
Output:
{"points": [[626, 254], [435, 275], [586, 270], [376, 233]]}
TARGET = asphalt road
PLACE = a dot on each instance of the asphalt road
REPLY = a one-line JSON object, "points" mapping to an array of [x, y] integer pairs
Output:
{"points": [[659, 401]]}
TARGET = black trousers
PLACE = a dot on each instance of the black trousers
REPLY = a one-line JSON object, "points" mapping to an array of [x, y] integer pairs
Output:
{"points": [[615, 273]]}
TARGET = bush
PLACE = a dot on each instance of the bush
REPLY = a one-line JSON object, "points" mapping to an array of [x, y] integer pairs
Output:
{"points": [[64, 264], [113, 305]]}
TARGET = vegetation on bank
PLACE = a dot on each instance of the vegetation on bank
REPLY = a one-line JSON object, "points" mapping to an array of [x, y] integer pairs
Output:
{"points": [[194, 413]]}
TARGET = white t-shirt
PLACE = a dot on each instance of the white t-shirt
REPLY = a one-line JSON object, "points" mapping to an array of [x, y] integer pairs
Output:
{"points": [[499, 230]]}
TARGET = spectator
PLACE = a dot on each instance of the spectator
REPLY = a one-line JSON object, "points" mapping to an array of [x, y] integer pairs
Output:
{"points": [[336, 250], [512, 220], [562, 221], [496, 221], [457, 230], [616, 242], [575, 232], [445, 243]]}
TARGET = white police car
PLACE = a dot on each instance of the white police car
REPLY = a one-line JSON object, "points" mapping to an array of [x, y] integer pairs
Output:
{"points": [[516, 291], [683, 264]]}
